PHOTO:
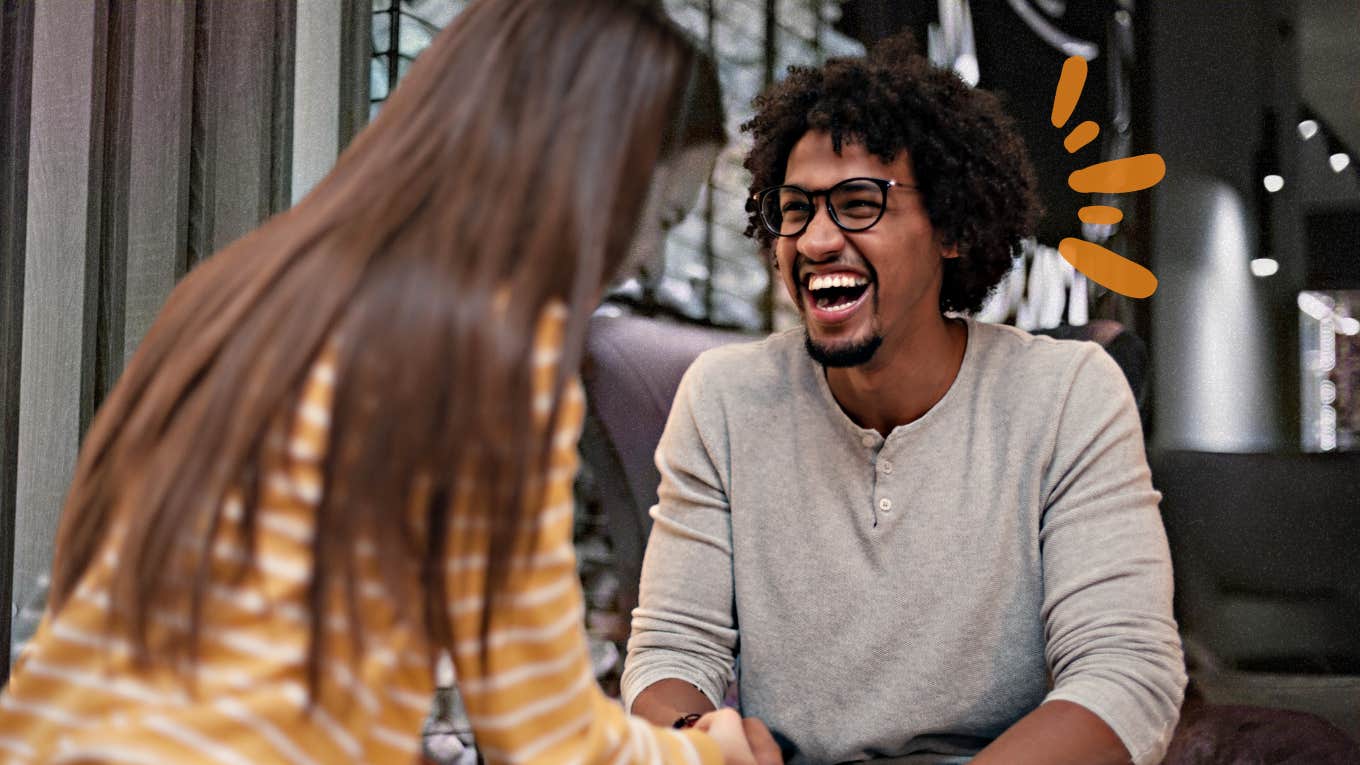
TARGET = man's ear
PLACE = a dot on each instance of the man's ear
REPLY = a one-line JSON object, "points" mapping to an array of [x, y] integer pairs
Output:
{"points": [[947, 252]]}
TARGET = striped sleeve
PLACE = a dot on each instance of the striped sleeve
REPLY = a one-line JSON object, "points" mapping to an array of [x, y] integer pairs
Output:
{"points": [[538, 700]]}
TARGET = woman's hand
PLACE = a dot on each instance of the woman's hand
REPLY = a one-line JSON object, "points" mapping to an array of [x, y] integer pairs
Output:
{"points": [[725, 726]]}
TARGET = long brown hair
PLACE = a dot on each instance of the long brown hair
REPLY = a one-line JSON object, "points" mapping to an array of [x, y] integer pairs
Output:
{"points": [[512, 160]]}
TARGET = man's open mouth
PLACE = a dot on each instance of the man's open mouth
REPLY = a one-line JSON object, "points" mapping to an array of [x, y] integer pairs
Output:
{"points": [[836, 293]]}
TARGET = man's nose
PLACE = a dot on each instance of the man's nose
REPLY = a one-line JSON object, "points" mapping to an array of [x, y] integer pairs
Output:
{"points": [[822, 236]]}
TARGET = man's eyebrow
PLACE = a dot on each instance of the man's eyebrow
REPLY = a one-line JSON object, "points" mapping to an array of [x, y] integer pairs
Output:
{"points": [[817, 189], [806, 187]]}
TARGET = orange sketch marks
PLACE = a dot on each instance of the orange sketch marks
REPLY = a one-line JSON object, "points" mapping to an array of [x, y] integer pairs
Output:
{"points": [[1100, 264], [1108, 268], [1127, 174], [1100, 214], [1070, 84], [1081, 135]]}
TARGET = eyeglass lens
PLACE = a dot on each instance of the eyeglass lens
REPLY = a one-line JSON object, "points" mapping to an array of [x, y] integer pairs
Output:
{"points": [[856, 205]]}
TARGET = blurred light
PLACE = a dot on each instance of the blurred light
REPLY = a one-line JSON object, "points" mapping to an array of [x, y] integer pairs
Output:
{"points": [[1219, 398], [1308, 129], [1339, 161], [1348, 325], [1326, 345], [1264, 266], [1313, 306], [1327, 428], [1327, 392], [1274, 182], [966, 65]]}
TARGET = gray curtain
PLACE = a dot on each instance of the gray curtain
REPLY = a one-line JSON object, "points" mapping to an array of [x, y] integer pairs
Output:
{"points": [[136, 139]]}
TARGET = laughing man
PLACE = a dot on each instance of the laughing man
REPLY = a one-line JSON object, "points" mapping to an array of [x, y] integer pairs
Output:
{"points": [[928, 538]]}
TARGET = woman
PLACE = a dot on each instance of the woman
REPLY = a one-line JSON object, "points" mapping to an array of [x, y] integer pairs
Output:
{"points": [[347, 444]]}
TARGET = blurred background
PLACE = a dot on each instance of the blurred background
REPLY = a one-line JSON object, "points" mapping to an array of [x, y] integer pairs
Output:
{"points": [[136, 138]]}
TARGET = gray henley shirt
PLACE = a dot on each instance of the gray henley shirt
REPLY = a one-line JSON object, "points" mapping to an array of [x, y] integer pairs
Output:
{"points": [[911, 596]]}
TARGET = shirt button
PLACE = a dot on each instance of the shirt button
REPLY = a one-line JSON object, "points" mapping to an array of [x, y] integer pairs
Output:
{"points": [[886, 467], [868, 440], [885, 504]]}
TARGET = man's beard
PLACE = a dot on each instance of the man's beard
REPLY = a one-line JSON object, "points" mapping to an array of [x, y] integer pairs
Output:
{"points": [[851, 355]]}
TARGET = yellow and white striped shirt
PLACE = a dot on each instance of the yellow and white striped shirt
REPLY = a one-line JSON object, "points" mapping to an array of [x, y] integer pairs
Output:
{"points": [[76, 697]]}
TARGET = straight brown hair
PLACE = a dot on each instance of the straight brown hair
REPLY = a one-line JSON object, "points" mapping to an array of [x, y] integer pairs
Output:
{"points": [[513, 159]]}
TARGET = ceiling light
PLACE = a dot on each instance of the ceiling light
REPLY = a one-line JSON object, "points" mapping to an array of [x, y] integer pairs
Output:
{"points": [[1264, 267], [1274, 182], [1312, 305], [1308, 129], [1339, 161]]}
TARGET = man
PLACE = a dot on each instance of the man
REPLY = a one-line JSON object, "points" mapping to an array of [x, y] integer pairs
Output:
{"points": [[927, 537]]}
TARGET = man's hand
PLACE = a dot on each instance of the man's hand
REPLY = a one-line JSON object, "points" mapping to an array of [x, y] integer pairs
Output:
{"points": [[762, 744]]}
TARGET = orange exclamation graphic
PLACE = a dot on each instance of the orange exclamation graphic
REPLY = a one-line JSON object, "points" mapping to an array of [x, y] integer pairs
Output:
{"points": [[1101, 264]]}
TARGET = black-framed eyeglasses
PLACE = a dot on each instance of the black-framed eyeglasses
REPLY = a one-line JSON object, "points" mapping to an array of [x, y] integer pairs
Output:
{"points": [[855, 204]]}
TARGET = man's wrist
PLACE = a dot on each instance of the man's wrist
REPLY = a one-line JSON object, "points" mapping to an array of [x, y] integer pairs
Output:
{"points": [[666, 701], [687, 721]]}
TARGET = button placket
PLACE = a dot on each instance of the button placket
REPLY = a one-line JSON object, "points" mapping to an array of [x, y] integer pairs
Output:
{"points": [[883, 468], [886, 481]]}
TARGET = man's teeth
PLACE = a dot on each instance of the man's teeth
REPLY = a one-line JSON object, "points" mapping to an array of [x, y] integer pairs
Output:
{"points": [[836, 280]]}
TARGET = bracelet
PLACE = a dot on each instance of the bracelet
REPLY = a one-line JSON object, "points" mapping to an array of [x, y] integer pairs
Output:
{"points": [[686, 721]]}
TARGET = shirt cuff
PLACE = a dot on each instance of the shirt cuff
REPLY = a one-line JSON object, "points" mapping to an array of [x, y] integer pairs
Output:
{"points": [[1138, 728]]}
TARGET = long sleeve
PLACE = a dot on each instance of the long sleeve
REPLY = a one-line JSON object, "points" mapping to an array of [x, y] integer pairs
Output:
{"points": [[684, 626], [79, 698], [538, 701], [1111, 640]]}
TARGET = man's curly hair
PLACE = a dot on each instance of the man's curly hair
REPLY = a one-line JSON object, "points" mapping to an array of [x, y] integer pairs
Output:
{"points": [[970, 163]]}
